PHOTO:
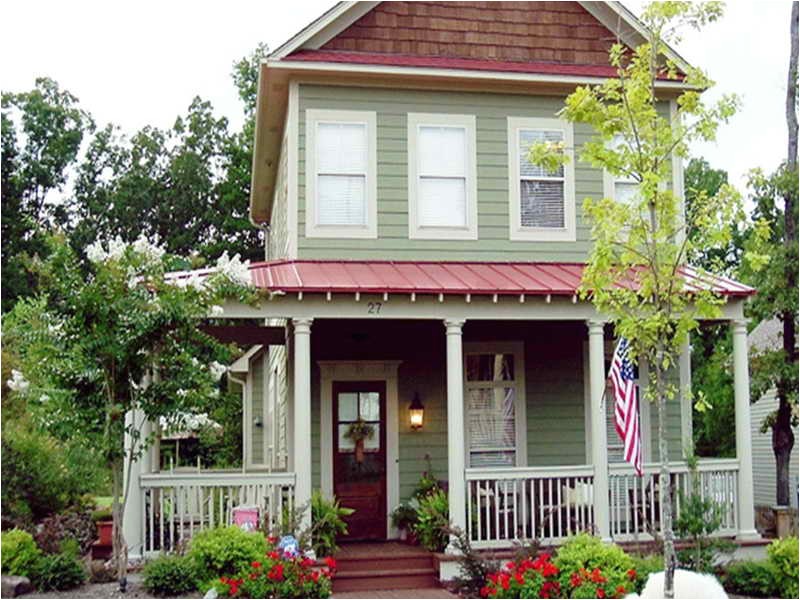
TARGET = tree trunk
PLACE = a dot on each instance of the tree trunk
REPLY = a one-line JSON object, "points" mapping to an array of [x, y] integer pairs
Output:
{"points": [[664, 479], [782, 435]]}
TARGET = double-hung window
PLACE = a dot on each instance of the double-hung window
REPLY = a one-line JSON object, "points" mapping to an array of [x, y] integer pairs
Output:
{"points": [[494, 391], [622, 188], [442, 186], [542, 203], [341, 185]]}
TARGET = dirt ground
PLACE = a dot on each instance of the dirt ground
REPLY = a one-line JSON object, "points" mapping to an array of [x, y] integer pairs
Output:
{"points": [[103, 590]]}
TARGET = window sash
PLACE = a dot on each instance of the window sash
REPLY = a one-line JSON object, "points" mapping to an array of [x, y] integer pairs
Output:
{"points": [[555, 178], [455, 207]]}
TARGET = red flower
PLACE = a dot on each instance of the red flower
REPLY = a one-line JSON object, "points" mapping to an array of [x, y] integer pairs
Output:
{"points": [[575, 580], [331, 562], [274, 555], [494, 577], [306, 562], [485, 591], [597, 577], [632, 574], [255, 564], [520, 579], [276, 573], [315, 576], [549, 570], [505, 581], [511, 565], [601, 593], [621, 591], [272, 539]]}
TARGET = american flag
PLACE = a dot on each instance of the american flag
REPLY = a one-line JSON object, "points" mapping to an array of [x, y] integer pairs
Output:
{"points": [[626, 405]]}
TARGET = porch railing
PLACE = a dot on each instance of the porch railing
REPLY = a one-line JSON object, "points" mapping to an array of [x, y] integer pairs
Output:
{"points": [[548, 504], [176, 505], [636, 502], [543, 503]]}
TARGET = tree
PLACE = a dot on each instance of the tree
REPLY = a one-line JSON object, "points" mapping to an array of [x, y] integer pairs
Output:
{"points": [[777, 297], [635, 274], [42, 132], [90, 342]]}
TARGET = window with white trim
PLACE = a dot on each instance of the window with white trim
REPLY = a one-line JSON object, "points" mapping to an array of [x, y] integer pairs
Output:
{"points": [[542, 203], [494, 396], [441, 176], [622, 188], [340, 174]]}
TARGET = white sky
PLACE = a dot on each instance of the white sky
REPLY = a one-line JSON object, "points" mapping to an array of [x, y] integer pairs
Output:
{"points": [[139, 63]]}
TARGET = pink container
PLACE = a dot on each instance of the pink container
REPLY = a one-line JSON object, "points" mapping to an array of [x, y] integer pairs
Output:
{"points": [[246, 517]]}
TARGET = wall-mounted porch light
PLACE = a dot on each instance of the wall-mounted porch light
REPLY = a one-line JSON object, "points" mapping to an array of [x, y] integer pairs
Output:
{"points": [[416, 412]]}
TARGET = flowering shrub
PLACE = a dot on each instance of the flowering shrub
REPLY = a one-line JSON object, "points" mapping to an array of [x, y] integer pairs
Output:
{"points": [[593, 584], [280, 575], [525, 579], [586, 556]]}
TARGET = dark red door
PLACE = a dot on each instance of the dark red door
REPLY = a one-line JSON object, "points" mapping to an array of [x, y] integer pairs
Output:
{"points": [[359, 478]]}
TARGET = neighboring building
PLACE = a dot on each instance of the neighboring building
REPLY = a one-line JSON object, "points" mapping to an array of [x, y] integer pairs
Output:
{"points": [[413, 251], [768, 335]]}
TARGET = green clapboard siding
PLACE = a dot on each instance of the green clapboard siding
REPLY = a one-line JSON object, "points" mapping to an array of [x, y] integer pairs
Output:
{"points": [[491, 111]]}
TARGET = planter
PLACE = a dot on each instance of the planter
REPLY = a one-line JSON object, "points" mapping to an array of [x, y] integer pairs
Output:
{"points": [[104, 532]]}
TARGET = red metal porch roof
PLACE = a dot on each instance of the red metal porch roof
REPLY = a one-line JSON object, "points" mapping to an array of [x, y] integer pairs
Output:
{"points": [[440, 277]]}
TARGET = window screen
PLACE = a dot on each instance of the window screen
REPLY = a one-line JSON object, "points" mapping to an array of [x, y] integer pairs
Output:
{"points": [[541, 192]]}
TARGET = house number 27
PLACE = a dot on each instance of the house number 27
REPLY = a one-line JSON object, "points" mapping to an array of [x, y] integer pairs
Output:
{"points": [[374, 308]]}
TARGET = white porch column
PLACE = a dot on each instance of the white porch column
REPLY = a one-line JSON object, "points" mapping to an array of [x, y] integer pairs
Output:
{"points": [[597, 381], [455, 428], [132, 520], [744, 450], [685, 364], [302, 418]]}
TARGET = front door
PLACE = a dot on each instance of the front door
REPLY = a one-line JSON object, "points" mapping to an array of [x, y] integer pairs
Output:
{"points": [[359, 468]]}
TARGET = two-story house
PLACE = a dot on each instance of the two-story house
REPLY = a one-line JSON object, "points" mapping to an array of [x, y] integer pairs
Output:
{"points": [[422, 278]]}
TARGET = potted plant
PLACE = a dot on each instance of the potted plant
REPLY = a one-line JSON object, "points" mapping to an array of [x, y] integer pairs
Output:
{"points": [[404, 517], [105, 523], [357, 433]]}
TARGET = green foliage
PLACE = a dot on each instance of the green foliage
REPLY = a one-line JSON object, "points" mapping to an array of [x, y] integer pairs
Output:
{"points": [[170, 576], [433, 521], [783, 556], [359, 430], [714, 426], [19, 553], [327, 521], [224, 551], [62, 571], [586, 552], [700, 517], [752, 579], [427, 482], [643, 566], [42, 132], [42, 476]]}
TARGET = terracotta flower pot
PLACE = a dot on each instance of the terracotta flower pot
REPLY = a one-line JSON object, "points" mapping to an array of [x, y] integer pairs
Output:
{"points": [[104, 531]]}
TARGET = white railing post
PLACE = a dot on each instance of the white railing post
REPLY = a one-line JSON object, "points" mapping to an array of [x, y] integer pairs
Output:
{"points": [[132, 525], [744, 449], [455, 428], [597, 378], [302, 418], [685, 370]]}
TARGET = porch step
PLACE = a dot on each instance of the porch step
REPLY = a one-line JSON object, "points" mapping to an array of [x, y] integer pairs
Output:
{"points": [[388, 566]]}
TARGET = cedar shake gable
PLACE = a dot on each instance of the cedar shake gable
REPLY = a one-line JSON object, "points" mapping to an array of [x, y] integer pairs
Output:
{"points": [[555, 32]]}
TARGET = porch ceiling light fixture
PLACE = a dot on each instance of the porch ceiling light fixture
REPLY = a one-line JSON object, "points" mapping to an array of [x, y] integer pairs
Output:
{"points": [[416, 413]]}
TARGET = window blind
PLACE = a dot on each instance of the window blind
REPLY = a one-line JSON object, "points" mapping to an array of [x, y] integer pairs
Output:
{"points": [[442, 176], [342, 156], [542, 201]]}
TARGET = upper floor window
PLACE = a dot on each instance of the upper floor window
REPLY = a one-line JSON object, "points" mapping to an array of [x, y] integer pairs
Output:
{"points": [[622, 188], [442, 188], [341, 188], [542, 203]]}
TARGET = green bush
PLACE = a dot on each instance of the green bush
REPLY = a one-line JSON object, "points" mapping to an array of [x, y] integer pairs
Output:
{"points": [[224, 551], [42, 477], [783, 556], [61, 571], [433, 521], [643, 566], [751, 579], [170, 575], [19, 553], [589, 553], [327, 521]]}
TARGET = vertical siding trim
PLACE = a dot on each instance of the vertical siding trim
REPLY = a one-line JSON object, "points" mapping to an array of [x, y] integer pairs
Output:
{"points": [[677, 169], [292, 123]]}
